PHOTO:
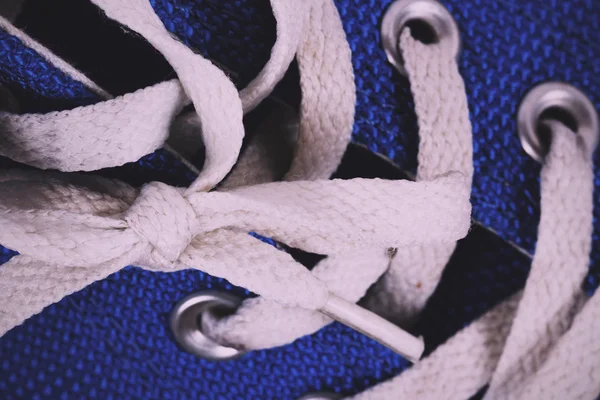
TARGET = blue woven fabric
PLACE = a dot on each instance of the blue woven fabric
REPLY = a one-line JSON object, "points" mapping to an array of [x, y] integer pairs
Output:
{"points": [[36, 82], [111, 340], [508, 47]]}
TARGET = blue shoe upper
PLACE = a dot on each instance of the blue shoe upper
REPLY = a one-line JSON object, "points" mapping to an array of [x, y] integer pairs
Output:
{"points": [[112, 340]]}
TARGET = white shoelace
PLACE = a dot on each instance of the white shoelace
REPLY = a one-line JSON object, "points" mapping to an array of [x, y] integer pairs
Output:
{"points": [[534, 345], [72, 230]]}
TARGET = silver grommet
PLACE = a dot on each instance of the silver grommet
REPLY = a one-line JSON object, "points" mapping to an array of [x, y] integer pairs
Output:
{"points": [[186, 323], [321, 396], [556, 96], [430, 12]]}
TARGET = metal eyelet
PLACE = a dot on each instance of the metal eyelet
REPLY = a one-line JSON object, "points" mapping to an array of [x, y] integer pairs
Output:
{"points": [[186, 324], [430, 12], [321, 396], [561, 96]]}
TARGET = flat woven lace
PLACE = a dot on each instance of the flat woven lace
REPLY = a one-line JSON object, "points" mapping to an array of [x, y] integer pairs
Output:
{"points": [[71, 230]]}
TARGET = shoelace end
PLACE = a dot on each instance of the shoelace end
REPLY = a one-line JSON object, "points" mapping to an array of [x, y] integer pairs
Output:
{"points": [[375, 327]]}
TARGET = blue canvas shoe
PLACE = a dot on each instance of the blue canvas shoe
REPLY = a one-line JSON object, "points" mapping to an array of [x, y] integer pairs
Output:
{"points": [[452, 256]]}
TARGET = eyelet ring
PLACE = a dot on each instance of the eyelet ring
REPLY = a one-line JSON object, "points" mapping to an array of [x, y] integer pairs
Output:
{"points": [[401, 12], [321, 396], [186, 322], [564, 97]]}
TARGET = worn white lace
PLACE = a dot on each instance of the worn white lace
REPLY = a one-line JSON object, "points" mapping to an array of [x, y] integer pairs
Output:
{"points": [[541, 343], [334, 218], [72, 230]]}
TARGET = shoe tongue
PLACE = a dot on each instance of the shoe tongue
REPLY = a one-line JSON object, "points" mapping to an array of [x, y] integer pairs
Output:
{"points": [[269, 149]]}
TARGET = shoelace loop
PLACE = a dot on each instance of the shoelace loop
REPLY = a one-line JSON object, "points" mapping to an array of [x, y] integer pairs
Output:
{"points": [[95, 232], [336, 218]]}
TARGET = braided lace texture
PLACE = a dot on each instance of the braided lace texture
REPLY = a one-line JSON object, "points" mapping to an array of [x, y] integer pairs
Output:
{"points": [[72, 230], [335, 218], [541, 343], [445, 145]]}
